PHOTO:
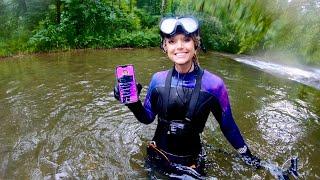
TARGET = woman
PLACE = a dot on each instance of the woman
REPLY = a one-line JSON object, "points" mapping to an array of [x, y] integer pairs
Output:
{"points": [[182, 99]]}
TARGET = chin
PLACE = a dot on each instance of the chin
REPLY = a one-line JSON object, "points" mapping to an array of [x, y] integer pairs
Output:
{"points": [[182, 62]]}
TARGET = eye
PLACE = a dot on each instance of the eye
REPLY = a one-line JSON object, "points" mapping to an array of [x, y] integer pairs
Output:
{"points": [[171, 41], [187, 39]]}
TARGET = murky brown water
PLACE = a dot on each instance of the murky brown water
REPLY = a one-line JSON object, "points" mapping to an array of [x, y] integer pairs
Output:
{"points": [[59, 118]]}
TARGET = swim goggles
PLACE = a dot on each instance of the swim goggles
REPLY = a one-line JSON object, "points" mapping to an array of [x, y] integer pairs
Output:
{"points": [[171, 25]]}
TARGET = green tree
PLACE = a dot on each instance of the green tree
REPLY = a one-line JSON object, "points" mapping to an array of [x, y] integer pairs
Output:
{"points": [[234, 26], [297, 30]]}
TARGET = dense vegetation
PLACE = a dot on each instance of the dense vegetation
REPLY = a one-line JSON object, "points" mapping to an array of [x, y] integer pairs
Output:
{"points": [[246, 26]]}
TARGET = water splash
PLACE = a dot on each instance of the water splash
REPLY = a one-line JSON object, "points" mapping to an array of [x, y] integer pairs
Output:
{"points": [[309, 77]]}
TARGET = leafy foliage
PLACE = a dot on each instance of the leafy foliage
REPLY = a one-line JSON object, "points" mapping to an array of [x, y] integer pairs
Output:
{"points": [[84, 24], [232, 26], [297, 30]]}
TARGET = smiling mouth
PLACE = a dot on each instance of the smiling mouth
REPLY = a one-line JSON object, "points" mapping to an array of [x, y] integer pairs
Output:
{"points": [[180, 54]]}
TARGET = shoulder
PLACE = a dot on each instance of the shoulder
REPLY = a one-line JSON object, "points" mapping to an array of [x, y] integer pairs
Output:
{"points": [[158, 79], [160, 75], [211, 82], [215, 86]]}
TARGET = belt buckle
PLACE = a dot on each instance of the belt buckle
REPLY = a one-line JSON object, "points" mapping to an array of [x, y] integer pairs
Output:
{"points": [[152, 143]]}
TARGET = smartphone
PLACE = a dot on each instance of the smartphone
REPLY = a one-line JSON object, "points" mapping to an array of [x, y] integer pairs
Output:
{"points": [[125, 77]]}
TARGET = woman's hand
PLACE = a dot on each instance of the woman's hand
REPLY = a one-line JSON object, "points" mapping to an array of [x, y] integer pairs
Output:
{"points": [[250, 159], [116, 93]]}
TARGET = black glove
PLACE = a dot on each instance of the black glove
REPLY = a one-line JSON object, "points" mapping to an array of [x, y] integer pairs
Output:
{"points": [[139, 88], [116, 92], [250, 159]]}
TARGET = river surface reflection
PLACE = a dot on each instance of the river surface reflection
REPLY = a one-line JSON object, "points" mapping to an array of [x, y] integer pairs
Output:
{"points": [[59, 118]]}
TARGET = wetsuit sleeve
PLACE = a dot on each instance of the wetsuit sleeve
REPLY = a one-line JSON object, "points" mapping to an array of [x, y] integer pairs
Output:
{"points": [[225, 119], [231, 130], [144, 113], [139, 112]]}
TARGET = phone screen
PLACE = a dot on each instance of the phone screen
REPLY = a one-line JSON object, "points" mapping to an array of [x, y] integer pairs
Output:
{"points": [[127, 84]]}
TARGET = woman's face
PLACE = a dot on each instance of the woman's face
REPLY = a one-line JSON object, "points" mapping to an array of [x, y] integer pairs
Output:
{"points": [[180, 49]]}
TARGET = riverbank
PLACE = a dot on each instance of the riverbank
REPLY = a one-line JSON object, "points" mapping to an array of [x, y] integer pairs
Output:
{"points": [[23, 54], [285, 59]]}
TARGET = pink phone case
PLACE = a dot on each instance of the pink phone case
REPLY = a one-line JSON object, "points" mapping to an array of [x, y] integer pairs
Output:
{"points": [[127, 84]]}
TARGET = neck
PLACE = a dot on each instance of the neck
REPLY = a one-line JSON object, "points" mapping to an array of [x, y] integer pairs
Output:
{"points": [[184, 68]]}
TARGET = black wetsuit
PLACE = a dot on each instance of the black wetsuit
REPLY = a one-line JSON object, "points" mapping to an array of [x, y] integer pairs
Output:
{"points": [[213, 97]]}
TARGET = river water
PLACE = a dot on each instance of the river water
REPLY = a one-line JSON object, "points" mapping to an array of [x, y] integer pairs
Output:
{"points": [[59, 119]]}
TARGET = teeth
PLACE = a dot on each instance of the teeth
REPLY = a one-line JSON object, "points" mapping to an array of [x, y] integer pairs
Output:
{"points": [[180, 54]]}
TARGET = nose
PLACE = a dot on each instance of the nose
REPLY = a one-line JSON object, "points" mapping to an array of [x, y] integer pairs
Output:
{"points": [[180, 44]]}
